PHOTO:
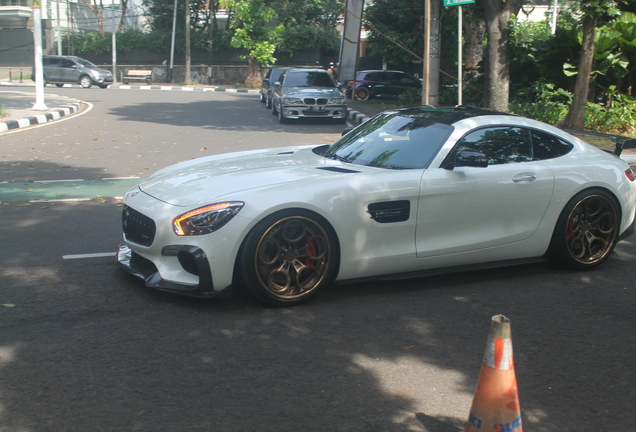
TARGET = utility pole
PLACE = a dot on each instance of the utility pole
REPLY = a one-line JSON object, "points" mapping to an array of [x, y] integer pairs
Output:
{"points": [[114, 40], [174, 29]]}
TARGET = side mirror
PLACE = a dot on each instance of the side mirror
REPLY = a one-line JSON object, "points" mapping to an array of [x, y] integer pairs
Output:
{"points": [[471, 158], [265, 80], [277, 83]]}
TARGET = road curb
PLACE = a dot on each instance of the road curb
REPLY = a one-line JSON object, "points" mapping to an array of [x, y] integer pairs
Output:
{"points": [[40, 119], [356, 117]]}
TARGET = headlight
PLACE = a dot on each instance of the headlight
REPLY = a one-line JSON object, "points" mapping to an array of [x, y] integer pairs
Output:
{"points": [[292, 101], [205, 220], [336, 101]]}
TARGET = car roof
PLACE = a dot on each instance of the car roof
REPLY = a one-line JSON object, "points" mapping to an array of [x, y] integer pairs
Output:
{"points": [[307, 70], [380, 70], [449, 115]]}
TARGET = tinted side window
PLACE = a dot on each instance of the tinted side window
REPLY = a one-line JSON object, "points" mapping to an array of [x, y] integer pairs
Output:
{"points": [[502, 145], [50, 61], [66, 63], [548, 146]]}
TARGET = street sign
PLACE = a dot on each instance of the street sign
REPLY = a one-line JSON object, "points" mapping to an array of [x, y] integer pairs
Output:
{"points": [[457, 2]]}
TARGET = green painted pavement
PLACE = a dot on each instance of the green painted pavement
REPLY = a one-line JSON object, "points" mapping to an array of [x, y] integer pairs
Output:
{"points": [[75, 189]]}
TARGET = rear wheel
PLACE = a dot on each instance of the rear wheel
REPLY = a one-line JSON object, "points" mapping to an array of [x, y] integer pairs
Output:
{"points": [[59, 85], [288, 257], [362, 93], [586, 231], [268, 102], [274, 110], [85, 81]]}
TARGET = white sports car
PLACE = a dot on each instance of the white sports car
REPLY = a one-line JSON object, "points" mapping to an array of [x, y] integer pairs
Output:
{"points": [[410, 192]]}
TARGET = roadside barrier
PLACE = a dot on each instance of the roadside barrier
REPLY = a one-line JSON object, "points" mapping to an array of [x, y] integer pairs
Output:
{"points": [[495, 406]]}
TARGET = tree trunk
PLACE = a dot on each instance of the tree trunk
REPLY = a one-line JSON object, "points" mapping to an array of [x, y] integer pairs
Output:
{"points": [[575, 119], [497, 14], [124, 9], [254, 77]]}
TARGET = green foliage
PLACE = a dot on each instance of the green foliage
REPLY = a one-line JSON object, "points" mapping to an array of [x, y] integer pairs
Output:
{"points": [[251, 30], [549, 104], [3, 111], [298, 38], [411, 97], [156, 40]]}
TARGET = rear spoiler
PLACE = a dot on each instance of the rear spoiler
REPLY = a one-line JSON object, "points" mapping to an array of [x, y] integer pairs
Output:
{"points": [[621, 142]]}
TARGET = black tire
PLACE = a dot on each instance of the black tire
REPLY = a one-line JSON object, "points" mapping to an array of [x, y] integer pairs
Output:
{"points": [[59, 85], [288, 257], [148, 81], [103, 86], [85, 81], [586, 231], [281, 117], [268, 103], [274, 110], [362, 93], [262, 98]]}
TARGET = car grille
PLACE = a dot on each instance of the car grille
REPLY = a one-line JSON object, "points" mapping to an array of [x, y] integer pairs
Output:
{"points": [[137, 227], [313, 101]]}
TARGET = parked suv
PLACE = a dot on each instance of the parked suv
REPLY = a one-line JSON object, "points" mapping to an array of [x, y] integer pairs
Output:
{"points": [[60, 70], [378, 83]]}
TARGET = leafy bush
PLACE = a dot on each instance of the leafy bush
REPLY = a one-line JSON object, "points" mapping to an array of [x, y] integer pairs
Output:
{"points": [[411, 97]]}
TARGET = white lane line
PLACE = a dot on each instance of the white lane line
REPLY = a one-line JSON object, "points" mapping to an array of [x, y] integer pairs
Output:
{"points": [[60, 200], [58, 181], [91, 255]]}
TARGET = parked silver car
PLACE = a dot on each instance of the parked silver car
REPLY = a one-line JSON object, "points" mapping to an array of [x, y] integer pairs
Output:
{"points": [[308, 93], [60, 70]]}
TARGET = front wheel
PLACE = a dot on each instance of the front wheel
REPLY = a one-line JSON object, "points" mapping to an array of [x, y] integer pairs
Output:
{"points": [[281, 117], [586, 230], [85, 82], [288, 257]]}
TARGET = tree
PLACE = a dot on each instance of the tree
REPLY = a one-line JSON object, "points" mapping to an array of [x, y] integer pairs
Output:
{"points": [[250, 19], [497, 14], [594, 11], [97, 7]]}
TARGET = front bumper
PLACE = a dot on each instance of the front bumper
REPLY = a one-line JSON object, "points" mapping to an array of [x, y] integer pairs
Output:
{"points": [[192, 258], [303, 111]]}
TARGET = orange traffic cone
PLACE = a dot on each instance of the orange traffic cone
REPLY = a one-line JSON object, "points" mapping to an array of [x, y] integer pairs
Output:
{"points": [[496, 403]]}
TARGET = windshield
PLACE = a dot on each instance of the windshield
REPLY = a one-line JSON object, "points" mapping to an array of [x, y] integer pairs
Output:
{"points": [[391, 140], [308, 79], [85, 63]]}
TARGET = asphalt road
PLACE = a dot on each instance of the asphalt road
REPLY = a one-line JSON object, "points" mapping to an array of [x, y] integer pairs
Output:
{"points": [[85, 347]]}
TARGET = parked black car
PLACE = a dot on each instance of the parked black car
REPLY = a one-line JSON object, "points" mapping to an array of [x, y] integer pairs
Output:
{"points": [[382, 83], [60, 70]]}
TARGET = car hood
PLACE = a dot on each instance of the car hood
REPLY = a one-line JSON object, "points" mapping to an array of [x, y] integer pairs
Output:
{"points": [[204, 180], [303, 92]]}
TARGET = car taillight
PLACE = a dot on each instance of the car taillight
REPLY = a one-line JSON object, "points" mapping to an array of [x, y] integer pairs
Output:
{"points": [[350, 82], [630, 174]]}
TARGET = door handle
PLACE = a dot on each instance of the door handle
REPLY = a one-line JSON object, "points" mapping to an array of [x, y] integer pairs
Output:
{"points": [[525, 177]]}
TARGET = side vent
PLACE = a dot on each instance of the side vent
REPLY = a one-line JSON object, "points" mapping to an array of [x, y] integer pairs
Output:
{"points": [[390, 211]]}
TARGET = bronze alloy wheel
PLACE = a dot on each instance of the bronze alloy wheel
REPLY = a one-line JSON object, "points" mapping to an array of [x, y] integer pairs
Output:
{"points": [[362, 93], [591, 229], [292, 257]]}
